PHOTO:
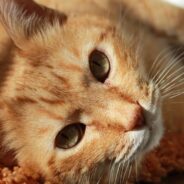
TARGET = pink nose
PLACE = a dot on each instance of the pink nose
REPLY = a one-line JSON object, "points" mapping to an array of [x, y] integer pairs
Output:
{"points": [[137, 118]]}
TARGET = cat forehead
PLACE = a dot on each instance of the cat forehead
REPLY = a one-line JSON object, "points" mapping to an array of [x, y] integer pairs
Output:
{"points": [[86, 26], [77, 32], [86, 34], [90, 21]]}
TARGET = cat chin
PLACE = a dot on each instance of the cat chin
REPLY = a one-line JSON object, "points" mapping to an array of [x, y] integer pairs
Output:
{"points": [[137, 139], [155, 128], [151, 136], [154, 121], [156, 133], [142, 141]]}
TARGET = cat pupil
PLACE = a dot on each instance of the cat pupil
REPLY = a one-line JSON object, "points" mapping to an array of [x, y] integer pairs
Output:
{"points": [[70, 136], [99, 65]]}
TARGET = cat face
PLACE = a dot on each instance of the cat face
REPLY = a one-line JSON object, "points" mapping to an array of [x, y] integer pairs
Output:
{"points": [[76, 96]]}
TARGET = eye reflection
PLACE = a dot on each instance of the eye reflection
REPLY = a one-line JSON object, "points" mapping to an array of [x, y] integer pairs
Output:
{"points": [[70, 136], [99, 65]]}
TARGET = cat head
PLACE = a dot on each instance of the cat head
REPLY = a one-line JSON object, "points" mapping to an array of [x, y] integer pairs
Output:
{"points": [[76, 94]]}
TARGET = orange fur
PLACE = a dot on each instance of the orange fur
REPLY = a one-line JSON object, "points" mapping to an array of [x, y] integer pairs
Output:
{"points": [[47, 84]]}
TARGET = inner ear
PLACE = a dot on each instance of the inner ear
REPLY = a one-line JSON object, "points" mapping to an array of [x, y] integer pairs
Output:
{"points": [[23, 18]]}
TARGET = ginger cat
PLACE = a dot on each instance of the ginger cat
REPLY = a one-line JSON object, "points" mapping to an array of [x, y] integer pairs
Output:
{"points": [[82, 88]]}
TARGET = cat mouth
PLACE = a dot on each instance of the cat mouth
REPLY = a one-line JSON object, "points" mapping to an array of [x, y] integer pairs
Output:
{"points": [[142, 144], [151, 136], [142, 140], [139, 140]]}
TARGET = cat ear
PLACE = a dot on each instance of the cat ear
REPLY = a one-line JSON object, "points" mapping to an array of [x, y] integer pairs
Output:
{"points": [[24, 18]]}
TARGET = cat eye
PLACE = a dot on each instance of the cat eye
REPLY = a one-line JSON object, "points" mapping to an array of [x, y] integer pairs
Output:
{"points": [[99, 65], [70, 136]]}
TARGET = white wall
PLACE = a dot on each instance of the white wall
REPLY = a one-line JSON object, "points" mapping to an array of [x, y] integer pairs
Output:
{"points": [[179, 3]]}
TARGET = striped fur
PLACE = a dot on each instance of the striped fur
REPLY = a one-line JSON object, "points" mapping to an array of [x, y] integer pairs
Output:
{"points": [[46, 84]]}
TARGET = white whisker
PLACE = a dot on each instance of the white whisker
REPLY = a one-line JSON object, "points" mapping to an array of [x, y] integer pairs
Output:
{"points": [[164, 73], [121, 171], [177, 102], [176, 95], [111, 172], [173, 87], [159, 68], [158, 60], [117, 172], [172, 81], [129, 173], [125, 172], [163, 82], [178, 71]]}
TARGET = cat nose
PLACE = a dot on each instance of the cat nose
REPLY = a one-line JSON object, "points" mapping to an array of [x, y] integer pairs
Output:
{"points": [[137, 120]]}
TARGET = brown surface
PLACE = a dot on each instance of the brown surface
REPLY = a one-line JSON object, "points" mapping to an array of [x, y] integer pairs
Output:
{"points": [[169, 157], [176, 178]]}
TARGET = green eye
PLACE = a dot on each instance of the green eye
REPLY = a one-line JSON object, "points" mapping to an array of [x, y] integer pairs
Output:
{"points": [[99, 65], [70, 136]]}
